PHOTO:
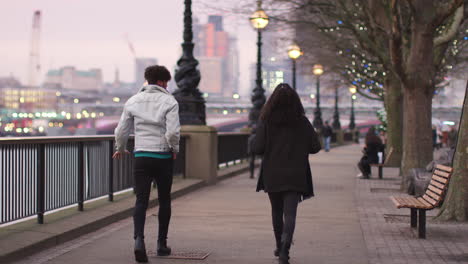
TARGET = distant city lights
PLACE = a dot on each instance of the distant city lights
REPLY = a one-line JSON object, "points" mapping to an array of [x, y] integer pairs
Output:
{"points": [[116, 99]]}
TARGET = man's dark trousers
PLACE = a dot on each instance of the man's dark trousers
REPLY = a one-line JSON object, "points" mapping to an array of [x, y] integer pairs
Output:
{"points": [[145, 171]]}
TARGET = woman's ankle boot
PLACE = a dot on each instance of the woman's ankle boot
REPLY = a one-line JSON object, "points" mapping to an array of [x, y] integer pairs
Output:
{"points": [[284, 253], [163, 249], [140, 250], [278, 244]]}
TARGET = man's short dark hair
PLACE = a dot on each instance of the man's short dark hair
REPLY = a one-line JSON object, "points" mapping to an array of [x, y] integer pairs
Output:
{"points": [[157, 73]]}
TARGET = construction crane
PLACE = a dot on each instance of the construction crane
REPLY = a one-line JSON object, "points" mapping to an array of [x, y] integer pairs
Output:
{"points": [[130, 45], [34, 63]]}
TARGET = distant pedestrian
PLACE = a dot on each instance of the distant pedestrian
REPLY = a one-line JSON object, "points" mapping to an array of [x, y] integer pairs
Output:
{"points": [[153, 113], [373, 147], [452, 137], [327, 135], [434, 137], [285, 138]]}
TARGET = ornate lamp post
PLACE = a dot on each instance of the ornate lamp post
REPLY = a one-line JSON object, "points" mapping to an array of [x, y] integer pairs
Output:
{"points": [[259, 20], [294, 52], [352, 90], [336, 115], [187, 77], [318, 123]]}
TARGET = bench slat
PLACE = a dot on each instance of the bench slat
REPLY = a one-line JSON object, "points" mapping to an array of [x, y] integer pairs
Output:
{"points": [[395, 201], [429, 200], [440, 179], [433, 195], [435, 189], [437, 184], [428, 205], [441, 173], [409, 202], [445, 168]]}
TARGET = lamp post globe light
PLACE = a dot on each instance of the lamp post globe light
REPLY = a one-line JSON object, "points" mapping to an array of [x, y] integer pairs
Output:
{"points": [[318, 123], [187, 77], [259, 20], [352, 90], [294, 52]]}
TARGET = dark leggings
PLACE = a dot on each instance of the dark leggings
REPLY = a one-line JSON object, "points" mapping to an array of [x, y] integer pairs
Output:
{"points": [[145, 171], [283, 213]]}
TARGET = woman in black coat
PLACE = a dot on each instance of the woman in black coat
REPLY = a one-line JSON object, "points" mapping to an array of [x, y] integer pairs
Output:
{"points": [[373, 146], [285, 138]]}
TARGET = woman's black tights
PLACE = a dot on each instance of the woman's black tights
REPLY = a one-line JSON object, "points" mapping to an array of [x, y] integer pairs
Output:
{"points": [[283, 213]]}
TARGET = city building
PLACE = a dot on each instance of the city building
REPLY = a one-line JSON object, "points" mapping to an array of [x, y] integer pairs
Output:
{"points": [[69, 78], [211, 69], [218, 56], [28, 99], [140, 65]]}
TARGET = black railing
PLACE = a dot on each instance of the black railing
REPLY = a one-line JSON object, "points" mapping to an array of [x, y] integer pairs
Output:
{"points": [[42, 174], [232, 148]]}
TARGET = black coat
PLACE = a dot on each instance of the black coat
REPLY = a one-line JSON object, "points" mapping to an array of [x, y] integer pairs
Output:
{"points": [[285, 149]]}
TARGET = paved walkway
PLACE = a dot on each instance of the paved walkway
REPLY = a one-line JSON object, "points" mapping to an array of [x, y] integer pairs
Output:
{"points": [[233, 222], [349, 221]]}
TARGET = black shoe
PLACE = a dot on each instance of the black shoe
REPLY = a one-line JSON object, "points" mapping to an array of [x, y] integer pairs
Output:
{"points": [[140, 250], [278, 243], [163, 249], [284, 253]]}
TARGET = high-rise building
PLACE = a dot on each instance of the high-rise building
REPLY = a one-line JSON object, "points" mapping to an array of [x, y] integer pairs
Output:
{"points": [[215, 48], [140, 65], [211, 69]]}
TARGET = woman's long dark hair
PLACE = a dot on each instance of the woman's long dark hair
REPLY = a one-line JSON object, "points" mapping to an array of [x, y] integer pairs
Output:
{"points": [[371, 136], [283, 107]]}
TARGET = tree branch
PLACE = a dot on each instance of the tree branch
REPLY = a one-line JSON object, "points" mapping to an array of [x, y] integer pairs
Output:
{"points": [[453, 30]]}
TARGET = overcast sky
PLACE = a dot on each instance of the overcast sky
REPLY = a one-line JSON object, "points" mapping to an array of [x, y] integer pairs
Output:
{"points": [[90, 34]]}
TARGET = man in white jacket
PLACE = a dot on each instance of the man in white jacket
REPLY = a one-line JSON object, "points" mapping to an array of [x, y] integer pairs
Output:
{"points": [[153, 114]]}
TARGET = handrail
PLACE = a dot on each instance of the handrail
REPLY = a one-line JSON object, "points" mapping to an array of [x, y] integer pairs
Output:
{"points": [[61, 139]]}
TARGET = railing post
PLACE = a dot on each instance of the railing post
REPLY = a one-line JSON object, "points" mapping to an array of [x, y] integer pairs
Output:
{"points": [[41, 171], [80, 176], [111, 171]]}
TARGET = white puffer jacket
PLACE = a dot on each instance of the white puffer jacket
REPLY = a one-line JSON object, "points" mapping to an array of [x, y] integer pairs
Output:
{"points": [[154, 114]]}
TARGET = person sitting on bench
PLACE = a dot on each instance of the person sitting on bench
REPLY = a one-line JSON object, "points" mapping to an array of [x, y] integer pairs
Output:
{"points": [[373, 147]]}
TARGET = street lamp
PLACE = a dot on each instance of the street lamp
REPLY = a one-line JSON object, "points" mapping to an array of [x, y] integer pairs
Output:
{"points": [[259, 20], [294, 52], [336, 115], [187, 77], [318, 123], [352, 90]]}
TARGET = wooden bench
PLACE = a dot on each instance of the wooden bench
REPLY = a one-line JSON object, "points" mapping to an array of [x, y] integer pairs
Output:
{"points": [[381, 165], [432, 198]]}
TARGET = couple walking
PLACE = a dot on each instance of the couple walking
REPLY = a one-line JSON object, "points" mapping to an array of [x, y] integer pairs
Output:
{"points": [[285, 138]]}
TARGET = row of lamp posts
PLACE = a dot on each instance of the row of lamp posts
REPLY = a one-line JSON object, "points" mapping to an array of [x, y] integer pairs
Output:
{"points": [[187, 77]]}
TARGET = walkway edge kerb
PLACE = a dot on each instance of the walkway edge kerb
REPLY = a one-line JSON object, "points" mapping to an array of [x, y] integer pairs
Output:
{"points": [[73, 233]]}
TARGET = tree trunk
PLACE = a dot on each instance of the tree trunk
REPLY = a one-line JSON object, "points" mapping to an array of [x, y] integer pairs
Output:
{"points": [[418, 84], [394, 109], [455, 206]]}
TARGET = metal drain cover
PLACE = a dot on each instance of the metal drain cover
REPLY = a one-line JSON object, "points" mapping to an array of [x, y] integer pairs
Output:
{"points": [[192, 255]]}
